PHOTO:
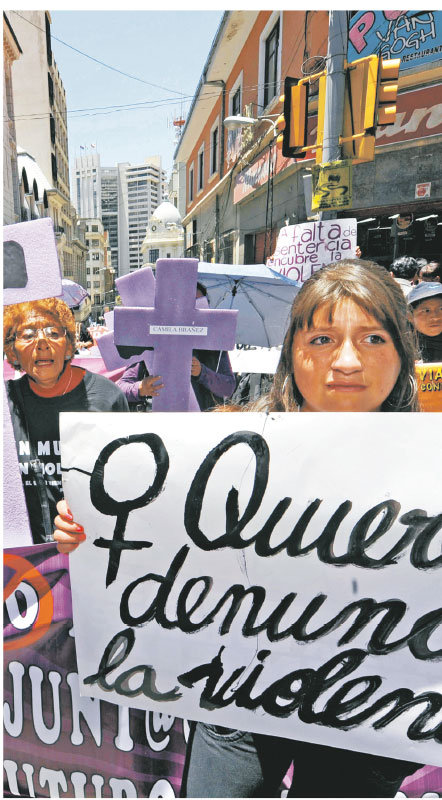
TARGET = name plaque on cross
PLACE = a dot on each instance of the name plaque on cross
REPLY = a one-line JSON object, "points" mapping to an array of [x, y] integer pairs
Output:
{"points": [[178, 330]]}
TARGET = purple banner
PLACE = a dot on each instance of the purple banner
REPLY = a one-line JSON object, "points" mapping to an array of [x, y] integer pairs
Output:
{"points": [[56, 743]]}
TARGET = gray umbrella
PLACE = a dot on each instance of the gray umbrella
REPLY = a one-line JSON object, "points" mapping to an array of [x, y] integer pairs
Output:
{"points": [[262, 296]]}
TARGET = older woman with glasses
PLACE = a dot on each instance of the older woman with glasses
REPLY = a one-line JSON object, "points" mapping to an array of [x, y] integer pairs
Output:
{"points": [[39, 339]]}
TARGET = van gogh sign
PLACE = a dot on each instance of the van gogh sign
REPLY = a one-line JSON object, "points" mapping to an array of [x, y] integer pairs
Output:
{"points": [[413, 36]]}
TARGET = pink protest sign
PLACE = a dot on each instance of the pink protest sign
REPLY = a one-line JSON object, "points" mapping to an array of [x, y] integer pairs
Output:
{"points": [[31, 267], [174, 327]]}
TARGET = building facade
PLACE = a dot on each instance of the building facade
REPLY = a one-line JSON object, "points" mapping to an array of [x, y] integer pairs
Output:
{"points": [[40, 118], [96, 242], [239, 190], [11, 200], [88, 185], [109, 210], [164, 235]]}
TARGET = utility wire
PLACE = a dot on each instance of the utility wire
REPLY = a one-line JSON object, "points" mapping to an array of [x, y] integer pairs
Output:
{"points": [[97, 61]]}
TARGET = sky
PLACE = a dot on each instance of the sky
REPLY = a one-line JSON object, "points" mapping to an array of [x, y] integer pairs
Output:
{"points": [[165, 49]]}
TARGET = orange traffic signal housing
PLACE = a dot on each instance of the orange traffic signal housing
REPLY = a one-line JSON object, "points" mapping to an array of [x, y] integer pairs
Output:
{"points": [[370, 95], [294, 136], [387, 90]]}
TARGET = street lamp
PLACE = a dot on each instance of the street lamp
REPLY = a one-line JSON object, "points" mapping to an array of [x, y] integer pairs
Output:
{"points": [[238, 122]]}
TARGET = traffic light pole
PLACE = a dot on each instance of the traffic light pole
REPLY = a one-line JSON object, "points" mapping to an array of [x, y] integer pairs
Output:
{"points": [[335, 91]]}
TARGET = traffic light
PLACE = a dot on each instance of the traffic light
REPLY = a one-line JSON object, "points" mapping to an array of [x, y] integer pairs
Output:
{"points": [[359, 109], [387, 90], [370, 95], [294, 136]]}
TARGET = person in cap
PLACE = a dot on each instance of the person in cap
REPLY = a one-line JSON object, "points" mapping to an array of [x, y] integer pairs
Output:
{"points": [[425, 301]]}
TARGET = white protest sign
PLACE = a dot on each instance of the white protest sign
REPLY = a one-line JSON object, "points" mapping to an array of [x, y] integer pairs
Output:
{"points": [[276, 573], [303, 249]]}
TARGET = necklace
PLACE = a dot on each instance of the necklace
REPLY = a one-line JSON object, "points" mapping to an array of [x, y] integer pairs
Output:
{"points": [[70, 380]]}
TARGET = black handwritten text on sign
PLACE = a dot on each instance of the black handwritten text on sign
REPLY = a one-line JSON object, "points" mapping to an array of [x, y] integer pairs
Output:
{"points": [[293, 579]]}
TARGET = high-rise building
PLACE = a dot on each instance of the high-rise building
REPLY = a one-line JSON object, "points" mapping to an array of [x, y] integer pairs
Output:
{"points": [[123, 198], [40, 116], [109, 209], [88, 185], [140, 192]]}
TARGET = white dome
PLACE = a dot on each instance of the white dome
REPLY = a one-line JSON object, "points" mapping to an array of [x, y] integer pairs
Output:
{"points": [[167, 214]]}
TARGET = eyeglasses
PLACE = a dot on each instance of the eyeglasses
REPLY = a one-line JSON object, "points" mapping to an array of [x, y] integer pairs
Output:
{"points": [[29, 335]]}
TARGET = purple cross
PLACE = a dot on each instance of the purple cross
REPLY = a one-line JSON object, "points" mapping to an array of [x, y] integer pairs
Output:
{"points": [[174, 327], [137, 288]]}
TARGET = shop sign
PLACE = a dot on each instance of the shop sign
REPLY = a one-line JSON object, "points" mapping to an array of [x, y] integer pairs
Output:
{"points": [[429, 384], [413, 36], [253, 176], [332, 186], [422, 190], [419, 114]]}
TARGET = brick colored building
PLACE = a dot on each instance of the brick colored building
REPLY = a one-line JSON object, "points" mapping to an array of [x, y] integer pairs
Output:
{"points": [[238, 189]]}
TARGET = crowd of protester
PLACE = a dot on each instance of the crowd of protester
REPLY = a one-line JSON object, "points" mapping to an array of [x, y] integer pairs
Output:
{"points": [[400, 313]]}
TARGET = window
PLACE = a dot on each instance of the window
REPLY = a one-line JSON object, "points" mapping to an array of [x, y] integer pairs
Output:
{"points": [[226, 248], [96, 284], [271, 65], [191, 184], [95, 243], [95, 256], [51, 89], [96, 270], [214, 150], [48, 40], [88, 270], [97, 299], [194, 232], [54, 167], [88, 283], [52, 128], [153, 255], [201, 169], [95, 227], [236, 102]]}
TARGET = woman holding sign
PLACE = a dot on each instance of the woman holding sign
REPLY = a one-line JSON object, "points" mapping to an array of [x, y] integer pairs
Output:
{"points": [[39, 340], [348, 348]]}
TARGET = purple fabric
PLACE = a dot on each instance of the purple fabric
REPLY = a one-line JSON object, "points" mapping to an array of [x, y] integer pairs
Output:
{"points": [[57, 744], [221, 383], [129, 383], [175, 289], [425, 782]]}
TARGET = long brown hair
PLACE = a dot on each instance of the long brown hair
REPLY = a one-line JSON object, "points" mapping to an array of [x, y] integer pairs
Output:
{"points": [[376, 292]]}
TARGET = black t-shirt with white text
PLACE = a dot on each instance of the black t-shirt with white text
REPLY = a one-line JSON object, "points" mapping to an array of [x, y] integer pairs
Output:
{"points": [[94, 393]]}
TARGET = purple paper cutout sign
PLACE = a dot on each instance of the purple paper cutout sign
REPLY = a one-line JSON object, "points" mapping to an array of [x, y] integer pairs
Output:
{"points": [[137, 289], [174, 328], [31, 271], [16, 527], [31, 266]]}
